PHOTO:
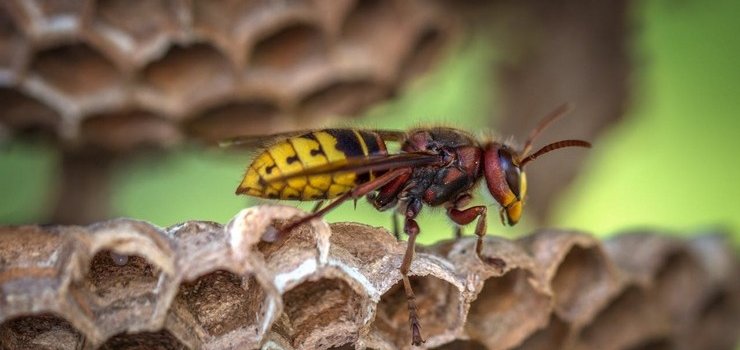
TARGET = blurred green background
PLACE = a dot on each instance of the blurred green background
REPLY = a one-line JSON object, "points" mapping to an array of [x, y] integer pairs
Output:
{"points": [[671, 164]]}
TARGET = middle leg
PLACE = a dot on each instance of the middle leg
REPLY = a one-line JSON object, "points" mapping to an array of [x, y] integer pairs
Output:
{"points": [[466, 216]]}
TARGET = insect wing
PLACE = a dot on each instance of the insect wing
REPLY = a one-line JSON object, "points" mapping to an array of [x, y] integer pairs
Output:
{"points": [[363, 165], [258, 141]]}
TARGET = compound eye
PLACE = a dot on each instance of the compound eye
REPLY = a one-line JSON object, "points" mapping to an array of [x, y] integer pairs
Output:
{"points": [[511, 172]]}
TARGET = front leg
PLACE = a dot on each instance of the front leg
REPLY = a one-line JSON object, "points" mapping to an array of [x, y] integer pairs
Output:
{"points": [[466, 216]]}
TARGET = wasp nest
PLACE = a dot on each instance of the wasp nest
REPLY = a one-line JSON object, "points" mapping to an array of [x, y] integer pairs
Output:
{"points": [[116, 74], [127, 284]]}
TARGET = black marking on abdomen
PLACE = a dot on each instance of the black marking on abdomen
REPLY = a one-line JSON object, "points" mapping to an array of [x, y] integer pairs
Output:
{"points": [[269, 168], [292, 159], [371, 140], [349, 144]]}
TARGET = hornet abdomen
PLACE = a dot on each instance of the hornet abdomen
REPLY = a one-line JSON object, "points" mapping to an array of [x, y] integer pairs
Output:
{"points": [[306, 151]]}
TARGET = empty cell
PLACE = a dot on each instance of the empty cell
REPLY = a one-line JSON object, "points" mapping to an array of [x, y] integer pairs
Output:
{"points": [[581, 283], [222, 302], [188, 76], [76, 70], [507, 310], [630, 319], [290, 48], [323, 313], [44, 331]]}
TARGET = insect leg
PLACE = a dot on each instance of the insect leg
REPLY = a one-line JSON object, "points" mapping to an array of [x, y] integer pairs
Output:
{"points": [[411, 228], [318, 206], [396, 229], [461, 201], [356, 192], [466, 216]]}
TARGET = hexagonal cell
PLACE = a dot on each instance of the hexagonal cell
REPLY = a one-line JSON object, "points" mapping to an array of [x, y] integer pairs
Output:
{"points": [[26, 115], [679, 286], [162, 340], [291, 48], [129, 130], [186, 78], [13, 48], [716, 324], [43, 331], [324, 313], [223, 308], [342, 98], [235, 119], [372, 22], [554, 336], [629, 320], [423, 54], [507, 310], [438, 304], [120, 27], [32, 269], [581, 284], [120, 292], [54, 18], [77, 72]]}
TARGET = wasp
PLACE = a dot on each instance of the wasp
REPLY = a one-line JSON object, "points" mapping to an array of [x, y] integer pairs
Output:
{"points": [[436, 166]]}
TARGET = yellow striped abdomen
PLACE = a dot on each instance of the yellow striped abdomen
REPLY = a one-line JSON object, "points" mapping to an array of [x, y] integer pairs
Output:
{"points": [[303, 152]]}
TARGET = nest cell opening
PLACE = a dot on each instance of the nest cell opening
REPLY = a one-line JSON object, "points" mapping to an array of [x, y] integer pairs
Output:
{"points": [[370, 22], [117, 276], [506, 310], [76, 70], [292, 47], [631, 318], [580, 282], [679, 284], [438, 305], [342, 98], [44, 331], [323, 313], [553, 336], [234, 119], [223, 302], [127, 131], [26, 115], [190, 75], [162, 340], [119, 289]]}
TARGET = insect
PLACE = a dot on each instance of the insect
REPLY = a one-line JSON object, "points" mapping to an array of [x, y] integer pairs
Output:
{"points": [[436, 166]]}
